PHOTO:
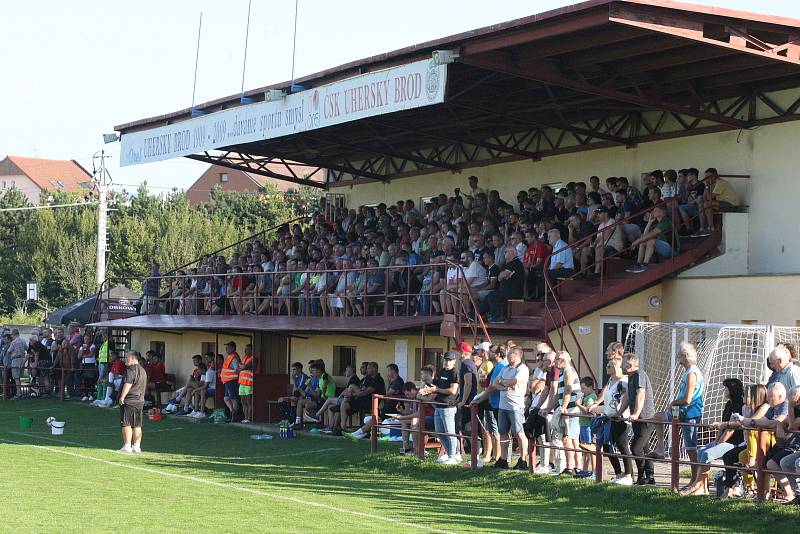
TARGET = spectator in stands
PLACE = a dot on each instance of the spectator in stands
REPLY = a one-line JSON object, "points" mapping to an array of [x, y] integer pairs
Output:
{"points": [[511, 281], [152, 290], [580, 230], [561, 262], [612, 397], [639, 402], [608, 241], [717, 194], [445, 387], [394, 387], [726, 438], [182, 395], [659, 237], [324, 415], [669, 188]]}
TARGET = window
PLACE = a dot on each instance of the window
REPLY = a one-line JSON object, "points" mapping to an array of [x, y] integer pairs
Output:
{"points": [[555, 186], [158, 347], [223, 177], [206, 347], [432, 357], [342, 358]]}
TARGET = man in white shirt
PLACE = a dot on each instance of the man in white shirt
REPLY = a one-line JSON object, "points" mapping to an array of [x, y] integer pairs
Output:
{"points": [[608, 240], [473, 280], [474, 191], [512, 382]]}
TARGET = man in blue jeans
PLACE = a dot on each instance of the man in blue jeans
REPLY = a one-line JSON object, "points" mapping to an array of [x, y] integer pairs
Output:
{"points": [[445, 387]]}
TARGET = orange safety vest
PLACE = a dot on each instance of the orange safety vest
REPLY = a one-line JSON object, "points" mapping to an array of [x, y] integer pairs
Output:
{"points": [[229, 373], [246, 375]]}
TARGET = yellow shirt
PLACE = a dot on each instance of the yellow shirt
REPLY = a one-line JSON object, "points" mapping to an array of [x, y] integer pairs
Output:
{"points": [[483, 374], [723, 192]]}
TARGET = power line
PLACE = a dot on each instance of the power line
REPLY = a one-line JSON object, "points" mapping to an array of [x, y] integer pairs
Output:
{"points": [[48, 206]]}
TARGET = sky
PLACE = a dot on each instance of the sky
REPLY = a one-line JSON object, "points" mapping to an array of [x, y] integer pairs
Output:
{"points": [[74, 70]]}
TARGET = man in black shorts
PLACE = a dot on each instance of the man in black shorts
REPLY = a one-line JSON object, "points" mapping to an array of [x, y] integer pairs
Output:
{"points": [[131, 403]]}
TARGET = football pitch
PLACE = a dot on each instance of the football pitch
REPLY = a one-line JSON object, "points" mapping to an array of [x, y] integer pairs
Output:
{"points": [[201, 477]]}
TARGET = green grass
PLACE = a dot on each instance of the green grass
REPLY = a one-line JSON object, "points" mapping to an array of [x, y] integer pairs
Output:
{"points": [[203, 477]]}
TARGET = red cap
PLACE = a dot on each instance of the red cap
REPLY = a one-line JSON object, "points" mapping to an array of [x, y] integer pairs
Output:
{"points": [[464, 347]]}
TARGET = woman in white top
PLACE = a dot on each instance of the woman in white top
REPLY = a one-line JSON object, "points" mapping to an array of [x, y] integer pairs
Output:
{"points": [[610, 397]]}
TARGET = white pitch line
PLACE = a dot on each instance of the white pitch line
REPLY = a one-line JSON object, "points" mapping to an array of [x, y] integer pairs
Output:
{"points": [[243, 489], [277, 455]]}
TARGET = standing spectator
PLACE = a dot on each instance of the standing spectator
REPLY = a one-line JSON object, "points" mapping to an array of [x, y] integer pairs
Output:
{"points": [[585, 439], [131, 403], [15, 359], [511, 382], [725, 440], [491, 402], [246, 374], [87, 360], [543, 425], [564, 404], [41, 364], [467, 387], [611, 397], [229, 375], [639, 400], [689, 401], [445, 387], [152, 289]]}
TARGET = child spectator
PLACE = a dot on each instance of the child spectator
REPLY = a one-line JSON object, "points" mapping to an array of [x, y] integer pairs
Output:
{"points": [[585, 437]]}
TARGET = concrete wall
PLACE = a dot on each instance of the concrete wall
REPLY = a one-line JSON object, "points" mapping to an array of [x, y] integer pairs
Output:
{"points": [[767, 154]]}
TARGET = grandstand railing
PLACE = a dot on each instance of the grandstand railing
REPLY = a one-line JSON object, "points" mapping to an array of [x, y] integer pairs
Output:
{"points": [[552, 288], [58, 377], [762, 474]]}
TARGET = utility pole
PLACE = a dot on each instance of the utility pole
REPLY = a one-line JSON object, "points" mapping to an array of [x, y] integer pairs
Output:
{"points": [[102, 180]]}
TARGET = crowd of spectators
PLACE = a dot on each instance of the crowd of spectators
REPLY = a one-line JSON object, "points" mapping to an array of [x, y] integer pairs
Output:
{"points": [[330, 267]]}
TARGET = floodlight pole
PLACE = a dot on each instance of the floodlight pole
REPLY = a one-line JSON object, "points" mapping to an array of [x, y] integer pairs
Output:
{"points": [[102, 179]]}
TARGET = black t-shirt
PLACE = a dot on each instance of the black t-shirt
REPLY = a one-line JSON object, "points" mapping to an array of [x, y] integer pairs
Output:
{"points": [[467, 372], [732, 407], [443, 380], [493, 271], [515, 283], [375, 382], [41, 351], [354, 381], [137, 378], [390, 406]]}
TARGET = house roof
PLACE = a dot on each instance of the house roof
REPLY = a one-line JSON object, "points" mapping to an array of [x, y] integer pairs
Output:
{"points": [[52, 174]]}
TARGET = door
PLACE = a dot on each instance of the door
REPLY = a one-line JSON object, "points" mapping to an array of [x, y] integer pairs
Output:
{"points": [[613, 329]]}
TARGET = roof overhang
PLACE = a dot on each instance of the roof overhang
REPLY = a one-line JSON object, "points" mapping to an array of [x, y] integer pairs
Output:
{"points": [[279, 324], [593, 75]]}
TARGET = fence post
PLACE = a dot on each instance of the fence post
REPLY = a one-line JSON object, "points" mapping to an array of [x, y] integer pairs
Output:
{"points": [[373, 435], [762, 478], [61, 387], [420, 426], [674, 452], [473, 437], [531, 454], [598, 462], [5, 383]]}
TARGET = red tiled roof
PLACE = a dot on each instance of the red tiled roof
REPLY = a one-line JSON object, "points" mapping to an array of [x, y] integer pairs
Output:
{"points": [[52, 174]]}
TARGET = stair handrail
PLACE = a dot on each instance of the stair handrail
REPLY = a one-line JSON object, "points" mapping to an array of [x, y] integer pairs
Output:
{"points": [[478, 320]]}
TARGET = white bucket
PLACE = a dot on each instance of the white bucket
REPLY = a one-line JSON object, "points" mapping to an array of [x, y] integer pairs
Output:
{"points": [[57, 427]]}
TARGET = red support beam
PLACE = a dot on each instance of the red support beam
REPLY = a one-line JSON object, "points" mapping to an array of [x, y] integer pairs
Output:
{"points": [[546, 74]]}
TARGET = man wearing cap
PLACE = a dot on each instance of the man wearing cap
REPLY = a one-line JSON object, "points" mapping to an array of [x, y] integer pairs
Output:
{"points": [[229, 375], [467, 386], [491, 400], [131, 403], [445, 387]]}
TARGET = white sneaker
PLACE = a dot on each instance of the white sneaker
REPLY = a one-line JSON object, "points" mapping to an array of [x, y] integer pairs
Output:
{"points": [[126, 449], [453, 461], [107, 403], [84, 398], [623, 481], [456, 457], [245, 421], [541, 470], [553, 471], [91, 397], [136, 449], [198, 415], [443, 459]]}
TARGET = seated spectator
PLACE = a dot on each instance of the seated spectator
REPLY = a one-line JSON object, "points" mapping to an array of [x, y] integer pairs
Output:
{"points": [[775, 416], [608, 241], [408, 411], [511, 281], [791, 462], [360, 400], [579, 232], [184, 393], [311, 396], [726, 438], [394, 388], [659, 238], [717, 194], [324, 415], [744, 454], [783, 370], [298, 379], [561, 262], [156, 376]]}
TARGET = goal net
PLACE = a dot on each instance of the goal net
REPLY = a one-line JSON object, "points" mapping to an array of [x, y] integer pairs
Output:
{"points": [[723, 351]]}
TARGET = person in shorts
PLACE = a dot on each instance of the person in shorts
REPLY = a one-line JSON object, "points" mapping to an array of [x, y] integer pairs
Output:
{"points": [[565, 403], [585, 436], [131, 403], [491, 434]]}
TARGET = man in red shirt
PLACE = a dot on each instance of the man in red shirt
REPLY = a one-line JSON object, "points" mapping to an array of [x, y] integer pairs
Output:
{"points": [[533, 261], [156, 376]]}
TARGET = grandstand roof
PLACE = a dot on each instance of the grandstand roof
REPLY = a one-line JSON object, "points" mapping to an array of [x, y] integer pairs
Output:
{"points": [[592, 75]]}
